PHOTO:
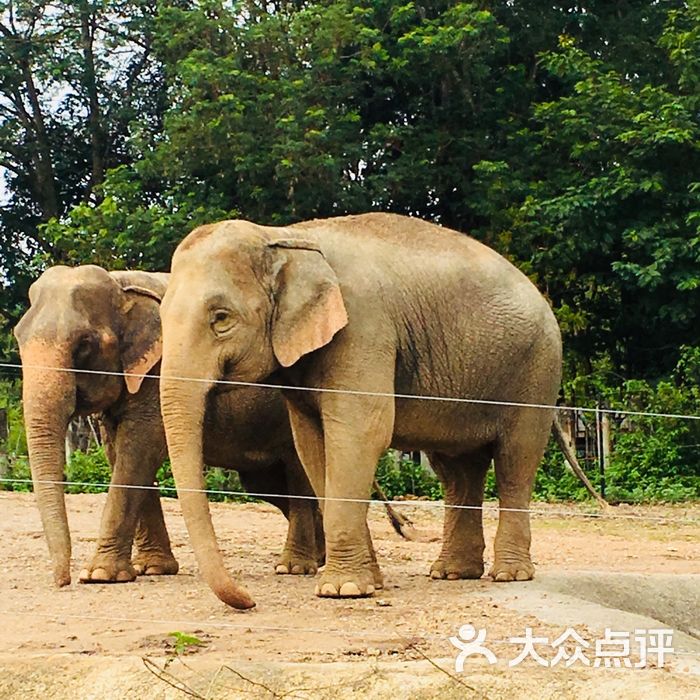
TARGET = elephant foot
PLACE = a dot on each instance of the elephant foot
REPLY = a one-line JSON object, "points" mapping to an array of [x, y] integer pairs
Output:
{"points": [[378, 577], [106, 570], [346, 584], [455, 570], [503, 571], [290, 563], [155, 564]]}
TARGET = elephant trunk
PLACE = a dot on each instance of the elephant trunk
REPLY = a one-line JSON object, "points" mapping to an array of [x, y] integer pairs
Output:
{"points": [[183, 408], [48, 398]]}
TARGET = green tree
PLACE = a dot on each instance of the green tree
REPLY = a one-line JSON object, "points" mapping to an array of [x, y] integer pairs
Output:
{"points": [[73, 76], [597, 197]]}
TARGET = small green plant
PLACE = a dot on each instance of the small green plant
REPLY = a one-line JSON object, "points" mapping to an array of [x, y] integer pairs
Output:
{"points": [[184, 643]]}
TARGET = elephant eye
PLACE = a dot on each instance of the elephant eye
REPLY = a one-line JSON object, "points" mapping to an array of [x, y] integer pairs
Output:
{"points": [[222, 321], [84, 348]]}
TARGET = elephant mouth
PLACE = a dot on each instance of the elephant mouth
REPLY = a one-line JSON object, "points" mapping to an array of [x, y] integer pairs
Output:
{"points": [[84, 404]]}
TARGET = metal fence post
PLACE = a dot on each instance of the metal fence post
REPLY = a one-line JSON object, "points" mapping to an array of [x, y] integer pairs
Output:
{"points": [[600, 446]]}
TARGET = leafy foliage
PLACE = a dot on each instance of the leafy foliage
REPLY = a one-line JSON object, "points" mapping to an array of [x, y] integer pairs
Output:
{"points": [[182, 642], [400, 477]]}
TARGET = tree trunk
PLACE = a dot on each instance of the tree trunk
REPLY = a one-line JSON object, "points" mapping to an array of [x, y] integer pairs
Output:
{"points": [[44, 178], [97, 136]]}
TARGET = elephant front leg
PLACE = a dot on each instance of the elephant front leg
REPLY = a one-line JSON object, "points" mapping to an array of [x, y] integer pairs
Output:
{"points": [[154, 556], [357, 430], [111, 562], [133, 465]]}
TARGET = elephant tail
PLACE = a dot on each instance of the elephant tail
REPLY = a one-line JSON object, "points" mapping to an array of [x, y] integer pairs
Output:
{"points": [[400, 522], [570, 456]]}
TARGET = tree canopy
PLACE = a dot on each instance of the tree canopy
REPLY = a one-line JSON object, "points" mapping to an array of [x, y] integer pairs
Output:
{"points": [[564, 134]]}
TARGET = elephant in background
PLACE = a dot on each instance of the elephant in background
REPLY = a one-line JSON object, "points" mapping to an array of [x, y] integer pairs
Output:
{"points": [[86, 318], [377, 304]]}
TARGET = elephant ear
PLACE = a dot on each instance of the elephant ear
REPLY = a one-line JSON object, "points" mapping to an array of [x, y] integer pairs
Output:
{"points": [[309, 308], [141, 339]]}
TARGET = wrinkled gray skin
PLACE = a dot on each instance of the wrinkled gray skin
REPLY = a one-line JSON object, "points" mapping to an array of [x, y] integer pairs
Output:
{"points": [[373, 303], [87, 318]]}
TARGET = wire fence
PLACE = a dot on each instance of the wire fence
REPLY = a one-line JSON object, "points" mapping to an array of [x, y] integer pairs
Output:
{"points": [[15, 367], [373, 394], [570, 513]]}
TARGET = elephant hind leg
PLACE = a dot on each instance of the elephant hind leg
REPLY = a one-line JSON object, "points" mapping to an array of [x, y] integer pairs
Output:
{"points": [[303, 552], [463, 477], [517, 456]]}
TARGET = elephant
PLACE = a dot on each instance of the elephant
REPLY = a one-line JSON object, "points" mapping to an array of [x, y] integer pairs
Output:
{"points": [[106, 325], [357, 318]]}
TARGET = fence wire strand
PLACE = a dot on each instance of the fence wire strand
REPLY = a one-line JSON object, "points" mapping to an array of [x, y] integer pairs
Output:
{"points": [[411, 502], [429, 504], [357, 392]]}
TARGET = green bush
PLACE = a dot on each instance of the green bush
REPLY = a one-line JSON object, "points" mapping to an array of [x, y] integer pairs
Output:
{"points": [[405, 477], [215, 478], [653, 459], [555, 481], [90, 470], [10, 399], [18, 474]]}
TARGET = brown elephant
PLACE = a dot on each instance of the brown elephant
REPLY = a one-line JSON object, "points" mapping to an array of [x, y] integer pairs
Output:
{"points": [[374, 305], [86, 318]]}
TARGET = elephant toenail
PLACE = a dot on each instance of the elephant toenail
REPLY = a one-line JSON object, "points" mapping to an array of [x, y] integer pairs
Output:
{"points": [[281, 569], [328, 589], [351, 589]]}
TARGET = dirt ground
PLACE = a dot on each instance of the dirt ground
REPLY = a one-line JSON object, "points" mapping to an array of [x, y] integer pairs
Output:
{"points": [[90, 640]]}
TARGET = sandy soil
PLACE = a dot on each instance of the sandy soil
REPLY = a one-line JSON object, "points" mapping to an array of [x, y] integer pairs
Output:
{"points": [[82, 629]]}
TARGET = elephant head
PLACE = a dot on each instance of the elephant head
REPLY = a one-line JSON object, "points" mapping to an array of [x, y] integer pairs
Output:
{"points": [[93, 321], [244, 300]]}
